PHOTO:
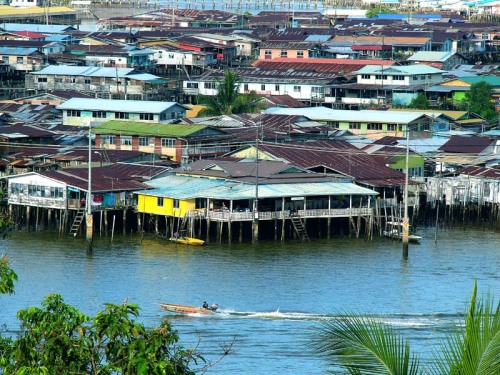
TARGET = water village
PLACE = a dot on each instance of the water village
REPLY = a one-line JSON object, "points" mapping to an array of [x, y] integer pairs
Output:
{"points": [[386, 112]]}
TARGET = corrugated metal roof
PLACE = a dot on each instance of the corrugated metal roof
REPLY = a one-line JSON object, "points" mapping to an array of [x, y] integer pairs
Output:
{"points": [[135, 106], [401, 70], [430, 56], [183, 187], [87, 71], [17, 51], [328, 114]]}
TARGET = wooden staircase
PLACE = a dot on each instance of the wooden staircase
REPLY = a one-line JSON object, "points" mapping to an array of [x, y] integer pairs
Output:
{"points": [[79, 218], [300, 227]]}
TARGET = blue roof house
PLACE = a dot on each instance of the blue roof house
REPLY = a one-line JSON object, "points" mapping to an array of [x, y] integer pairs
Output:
{"points": [[91, 112]]}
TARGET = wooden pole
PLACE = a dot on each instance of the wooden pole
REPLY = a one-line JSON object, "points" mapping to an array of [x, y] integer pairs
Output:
{"points": [[113, 228]]}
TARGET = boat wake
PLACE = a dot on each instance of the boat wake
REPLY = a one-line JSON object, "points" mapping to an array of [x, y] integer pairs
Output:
{"points": [[410, 321]]}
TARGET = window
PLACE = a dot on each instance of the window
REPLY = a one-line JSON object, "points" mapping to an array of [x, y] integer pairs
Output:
{"points": [[20, 60], [415, 78], [365, 76], [17, 188], [108, 139], [245, 87], [391, 127], [58, 80], [381, 76], [398, 78], [192, 85], [276, 87], [168, 142], [354, 125], [159, 201], [5, 59], [37, 190], [284, 53], [173, 115], [56, 192], [88, 81], [333, 124], [296, 88], [42, 79], [99, 114], [126, 140], [146, 116], [121, 115], [429, 76], [176, 203], [372, 126], [300, 54], [263, 87], [73, 113], [146, 141], [170, 55], [209, 85], [422, 77], [268, 54]]}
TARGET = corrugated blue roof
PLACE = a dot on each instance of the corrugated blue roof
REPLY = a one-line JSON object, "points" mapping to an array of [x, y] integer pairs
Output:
{"points": [[87, 71], [135, 106], [17, 51], [318, 38], [389, 16], [38, 28], [184, 187], [328, 114]]}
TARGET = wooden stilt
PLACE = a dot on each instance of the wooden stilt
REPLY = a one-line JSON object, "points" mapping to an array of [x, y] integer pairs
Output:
{"points": [[124, 221], [27, 218]]}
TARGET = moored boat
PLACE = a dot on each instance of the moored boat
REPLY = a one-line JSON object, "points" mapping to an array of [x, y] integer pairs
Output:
{"points": [[187, 241], [394, 230], [186, 309]]}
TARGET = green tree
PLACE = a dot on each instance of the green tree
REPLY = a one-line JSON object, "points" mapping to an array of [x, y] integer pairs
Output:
{"points": [[7, 276], [479, 100], [228, 99], [376, 10], [59, 339], [366, 345], [419, 102]]}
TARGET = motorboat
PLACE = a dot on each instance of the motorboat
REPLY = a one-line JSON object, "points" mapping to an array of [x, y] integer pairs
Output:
{"points": [[186, 309], [187, 241], [394, 230]]}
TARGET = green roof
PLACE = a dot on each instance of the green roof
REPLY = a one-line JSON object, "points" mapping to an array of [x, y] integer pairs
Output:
{"points": [[492, 80], [146, 128]]}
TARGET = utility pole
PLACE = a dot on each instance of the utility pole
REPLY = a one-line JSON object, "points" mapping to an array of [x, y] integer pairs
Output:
{"points": [[406, 223], [255, 223], [89, 218]]}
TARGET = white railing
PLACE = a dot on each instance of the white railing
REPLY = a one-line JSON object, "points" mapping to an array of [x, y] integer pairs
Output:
{"points": [[272, 215]]}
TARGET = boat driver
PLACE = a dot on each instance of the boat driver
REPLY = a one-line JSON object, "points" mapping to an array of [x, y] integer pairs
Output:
{"points": [[205, 305]]}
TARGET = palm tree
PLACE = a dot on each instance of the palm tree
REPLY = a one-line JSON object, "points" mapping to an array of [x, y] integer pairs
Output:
{"points": [[228, 99], [365, 345]]}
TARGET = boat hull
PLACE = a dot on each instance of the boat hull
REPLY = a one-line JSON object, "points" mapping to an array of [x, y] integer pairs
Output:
{"points": [[185, 309], [188, 241]]}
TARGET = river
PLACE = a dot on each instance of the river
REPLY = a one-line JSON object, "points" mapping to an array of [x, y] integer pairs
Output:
{"points": [[270, 296]]}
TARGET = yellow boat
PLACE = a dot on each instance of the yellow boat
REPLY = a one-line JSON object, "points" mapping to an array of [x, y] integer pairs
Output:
{"points": [[187, 241]]}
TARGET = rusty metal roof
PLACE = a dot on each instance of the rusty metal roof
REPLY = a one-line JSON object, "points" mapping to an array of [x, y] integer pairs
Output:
{"points": [[103, 179], [466, 145], [354, 163]]}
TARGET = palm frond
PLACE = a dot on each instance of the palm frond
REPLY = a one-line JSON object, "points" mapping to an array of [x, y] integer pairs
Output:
{"points": [[473, 348], [365, 345]]}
